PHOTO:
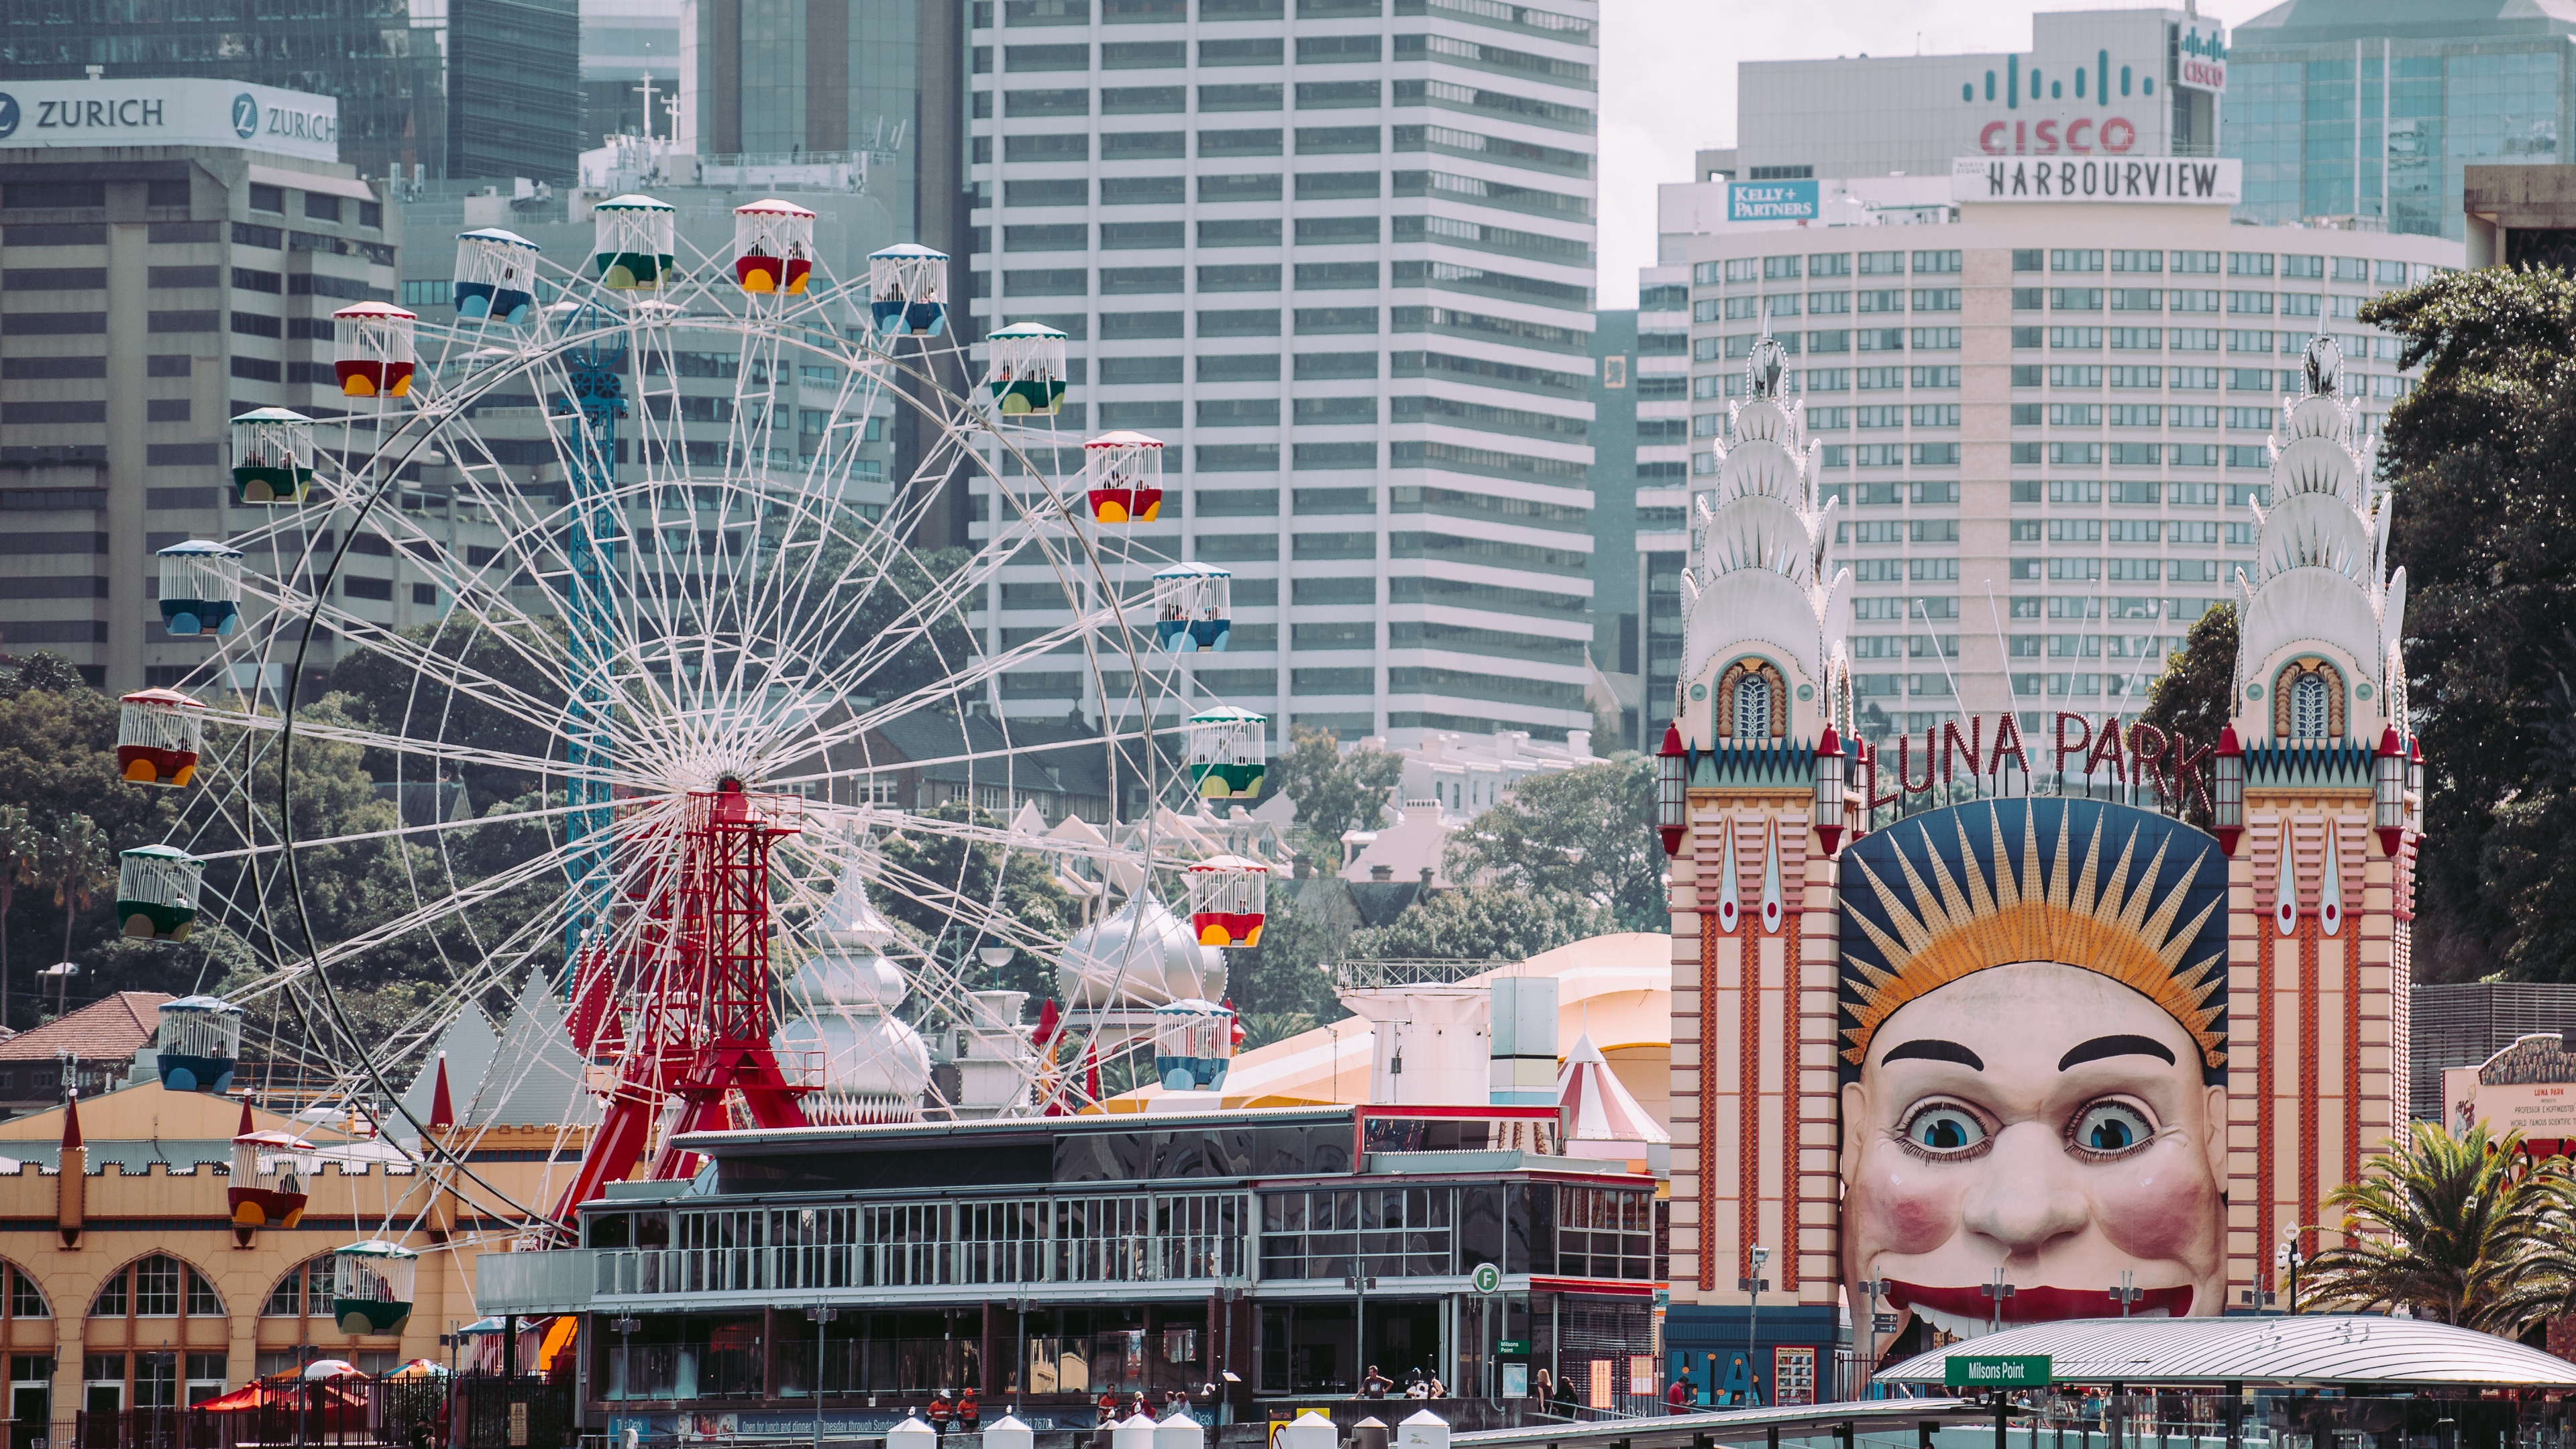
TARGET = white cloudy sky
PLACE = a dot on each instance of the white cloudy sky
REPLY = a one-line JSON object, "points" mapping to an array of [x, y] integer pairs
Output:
{"points": [[1668, 82]]}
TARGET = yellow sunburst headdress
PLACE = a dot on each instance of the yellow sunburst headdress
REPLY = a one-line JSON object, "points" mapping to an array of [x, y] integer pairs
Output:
{"points": [[1990, 905]]}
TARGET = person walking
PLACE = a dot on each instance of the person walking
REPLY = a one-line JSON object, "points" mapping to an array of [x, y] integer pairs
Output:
{"points": [[970, 1416], [1677, 1397], [1542, 1388], [941, 1411]]}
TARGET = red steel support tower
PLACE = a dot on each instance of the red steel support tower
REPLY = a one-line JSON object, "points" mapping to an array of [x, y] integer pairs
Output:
{"points": [[695, 1015]]}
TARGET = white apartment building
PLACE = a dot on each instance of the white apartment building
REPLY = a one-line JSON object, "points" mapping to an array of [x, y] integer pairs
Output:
{"points": [[2046, 420], [1337, 255]]}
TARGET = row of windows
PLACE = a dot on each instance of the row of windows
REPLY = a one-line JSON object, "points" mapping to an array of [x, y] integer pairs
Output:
{"points": [[2059, 530], [1074, 147], [1274, 96], [1027, 13], [1737, 270], [2090, 492], [2345, 307], [1272, 50], [1269, 186]]}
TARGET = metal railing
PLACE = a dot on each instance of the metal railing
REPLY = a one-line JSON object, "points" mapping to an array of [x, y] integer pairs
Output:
{"points": [[649, 1272]]}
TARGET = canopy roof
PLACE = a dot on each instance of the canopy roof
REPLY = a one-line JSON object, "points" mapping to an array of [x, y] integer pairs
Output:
{"points": [[2349, 1350]]}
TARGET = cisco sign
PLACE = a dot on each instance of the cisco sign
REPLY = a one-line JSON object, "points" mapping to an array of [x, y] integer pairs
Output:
{"points": [[58, 114], [2201, 56]]}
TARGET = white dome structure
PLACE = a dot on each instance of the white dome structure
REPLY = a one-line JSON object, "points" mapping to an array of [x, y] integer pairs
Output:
{"points": [[873, 1067], [1139, 957]]}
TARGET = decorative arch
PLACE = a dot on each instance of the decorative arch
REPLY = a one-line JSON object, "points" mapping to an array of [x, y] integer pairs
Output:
{"points": [[24, 1298], [303, 1292], [2318, 674], [157, 1285], [1764, 675]]}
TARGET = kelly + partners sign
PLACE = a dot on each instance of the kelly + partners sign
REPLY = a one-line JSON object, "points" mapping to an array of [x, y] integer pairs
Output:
{"points": [[38, 115], [1995, 1371], [2209, 181], [1771, 201]]}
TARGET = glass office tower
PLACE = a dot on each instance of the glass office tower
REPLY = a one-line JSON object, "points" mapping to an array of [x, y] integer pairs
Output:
{"points": [[2342, 111]]}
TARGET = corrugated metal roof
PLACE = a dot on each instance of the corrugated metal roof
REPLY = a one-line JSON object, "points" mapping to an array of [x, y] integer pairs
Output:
{"points": [[2307, 1348]]}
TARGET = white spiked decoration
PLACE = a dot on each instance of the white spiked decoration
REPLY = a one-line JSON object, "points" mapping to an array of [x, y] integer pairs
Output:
{"points": [[1760, 544]]}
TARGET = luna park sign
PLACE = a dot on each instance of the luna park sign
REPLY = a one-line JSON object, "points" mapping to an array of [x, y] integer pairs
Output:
{"points": [[2137, 755]]}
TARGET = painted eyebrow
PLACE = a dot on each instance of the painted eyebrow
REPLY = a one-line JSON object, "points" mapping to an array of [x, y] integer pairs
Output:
{"points": [[2114, 1046], [1935, 1050]]}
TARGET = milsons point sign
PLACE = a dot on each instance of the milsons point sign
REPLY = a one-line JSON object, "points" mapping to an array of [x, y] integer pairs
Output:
{"points": [[1988, 755]]}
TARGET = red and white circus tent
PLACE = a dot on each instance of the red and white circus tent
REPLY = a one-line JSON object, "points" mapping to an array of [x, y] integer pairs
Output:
{"points": [[1602, 1117]]}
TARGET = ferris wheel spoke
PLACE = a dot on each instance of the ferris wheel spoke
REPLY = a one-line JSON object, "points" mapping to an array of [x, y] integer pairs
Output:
{"points": [[465, 898]]}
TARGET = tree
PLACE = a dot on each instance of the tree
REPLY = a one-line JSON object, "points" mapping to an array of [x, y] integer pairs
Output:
{"points": [[2194, 696], [1334, 791], [44, 669], [1285, 985], [1585, 834], [19, 842], [2453, 1229], [75, 859], [1482, 923], [2486, 529]]}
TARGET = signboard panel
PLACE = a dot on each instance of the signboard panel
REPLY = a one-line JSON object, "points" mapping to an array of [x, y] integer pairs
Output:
{"points": [[39, 115], [1771, 201], [1995, 1371], [2154, 180], [1793, 1373], [2201, 56]]}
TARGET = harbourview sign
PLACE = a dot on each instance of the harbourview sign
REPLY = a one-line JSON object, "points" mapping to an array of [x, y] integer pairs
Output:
{"points": [[2211, 181]]}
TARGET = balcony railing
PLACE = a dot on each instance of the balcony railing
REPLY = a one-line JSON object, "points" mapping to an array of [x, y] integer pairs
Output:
{"points": [[649, 1272]]}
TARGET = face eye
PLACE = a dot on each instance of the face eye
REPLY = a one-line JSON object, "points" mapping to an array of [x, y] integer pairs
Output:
{"points": [[1943, 1129], [2108, 1129]]}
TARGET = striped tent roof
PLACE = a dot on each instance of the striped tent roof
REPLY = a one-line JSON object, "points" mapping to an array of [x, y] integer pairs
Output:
{"points": [[1597, 1107]]}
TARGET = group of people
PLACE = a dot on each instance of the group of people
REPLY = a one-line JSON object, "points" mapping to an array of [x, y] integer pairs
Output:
{"points": [[962, 1411], [1111, 1410], [1375, 1385]]}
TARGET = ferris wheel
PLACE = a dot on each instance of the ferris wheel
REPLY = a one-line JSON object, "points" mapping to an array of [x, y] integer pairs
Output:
{"points": [[684, 733]]}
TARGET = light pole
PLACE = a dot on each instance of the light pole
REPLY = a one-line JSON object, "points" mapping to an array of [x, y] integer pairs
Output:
{"points": [[1996, 1292], [624, 1328], [1754, 1283], [822, 1314], [1873, 1287], [1020, 1373], [995, 958], [2127, 1292], [2288, 1256], [1359, 1284]]}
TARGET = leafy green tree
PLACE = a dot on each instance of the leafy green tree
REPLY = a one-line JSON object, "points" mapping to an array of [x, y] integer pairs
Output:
{"points": [[2486, 529], [1334, 791], [2458, 1230], [952, 881], [1585, 835], [1285, 985], [77, 862], [2193, 697], [1483, 923], [19, 842], [44, 669]]}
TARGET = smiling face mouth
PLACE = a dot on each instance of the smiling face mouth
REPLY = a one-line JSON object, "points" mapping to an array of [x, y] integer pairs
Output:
{"points": [[2036, 1304]]}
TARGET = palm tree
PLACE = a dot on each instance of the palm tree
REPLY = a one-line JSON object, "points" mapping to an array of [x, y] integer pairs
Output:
{"points": [[76, 862], [2455, 1229], [19, 841]]}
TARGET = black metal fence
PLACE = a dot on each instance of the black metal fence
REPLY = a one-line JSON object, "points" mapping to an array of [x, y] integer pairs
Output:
{"points": [[429, 1413]]}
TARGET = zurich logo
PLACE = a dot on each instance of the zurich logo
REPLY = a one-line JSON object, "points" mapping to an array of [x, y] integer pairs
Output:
{"points": [[8, 115], [245, 116]]}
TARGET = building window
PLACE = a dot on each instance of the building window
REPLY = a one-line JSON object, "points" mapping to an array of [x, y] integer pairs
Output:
{"points": [[304, 1292], [2308, 701], [1752, 701], [1752, 707]]}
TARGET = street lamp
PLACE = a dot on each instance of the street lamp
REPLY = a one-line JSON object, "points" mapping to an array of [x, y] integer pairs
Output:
{"points": [[1874, 1288], [1361, 1285], [1754, 1283], [1020, 1372], [822, 1314], [2287, 1256], [2126, 1291], [1996, 1292], [996, 957], [624, 1327]]}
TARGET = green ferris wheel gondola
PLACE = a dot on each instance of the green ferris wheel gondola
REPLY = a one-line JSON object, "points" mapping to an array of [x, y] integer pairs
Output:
{"points": [[371, 1286], [1228, 749], [156, 892]]}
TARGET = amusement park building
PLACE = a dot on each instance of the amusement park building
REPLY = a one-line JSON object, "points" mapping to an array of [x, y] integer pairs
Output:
{"points": [[2045, 418], [2002, 1040], [1338, 258]]}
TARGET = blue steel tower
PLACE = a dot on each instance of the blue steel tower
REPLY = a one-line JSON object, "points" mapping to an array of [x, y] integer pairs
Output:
{"points": [[592, 528]]}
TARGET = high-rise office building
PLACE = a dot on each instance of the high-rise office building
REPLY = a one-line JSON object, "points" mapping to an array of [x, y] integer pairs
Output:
{"points": [[2371, 111], [2046, 420], [463, 88], [154, 289], [1615, 468], [1337, 255], [623, 44]]}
